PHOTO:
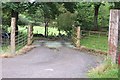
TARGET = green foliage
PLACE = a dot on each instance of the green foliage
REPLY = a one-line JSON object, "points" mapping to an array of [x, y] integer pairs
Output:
{"points": [[85, 15], [70, 6], [7, 8], [40, 12], [103, 17], [66, 21], [116, 5]]}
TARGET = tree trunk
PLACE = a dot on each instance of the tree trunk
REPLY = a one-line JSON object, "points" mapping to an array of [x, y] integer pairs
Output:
{"points": [[46, 28], [96, 10], [14, 14], [59, 32], [0, 36]]}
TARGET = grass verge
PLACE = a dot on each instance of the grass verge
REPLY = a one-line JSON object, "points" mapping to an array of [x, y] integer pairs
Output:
{"points": [[95, 42], [105, 70]]}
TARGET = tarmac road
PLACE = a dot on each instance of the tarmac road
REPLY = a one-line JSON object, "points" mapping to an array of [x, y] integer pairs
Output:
{"points": [[46, 62]]}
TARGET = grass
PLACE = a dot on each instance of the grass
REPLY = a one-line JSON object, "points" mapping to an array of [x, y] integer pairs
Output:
{"points": [[95, 42], [106, 70], [111, 72], [4, 49], [41, 30]]}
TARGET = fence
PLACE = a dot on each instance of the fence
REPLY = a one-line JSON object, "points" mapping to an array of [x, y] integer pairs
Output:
{"points": [[21, 38], [5, 41], [94, 40], [91, 33], [15, 40]]}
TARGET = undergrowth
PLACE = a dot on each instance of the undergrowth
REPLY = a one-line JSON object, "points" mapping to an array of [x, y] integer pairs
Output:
{"points": [[105, 70]]}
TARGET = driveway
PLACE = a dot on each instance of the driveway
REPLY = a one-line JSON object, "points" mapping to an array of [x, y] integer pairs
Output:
{"points": [[50, 59]]}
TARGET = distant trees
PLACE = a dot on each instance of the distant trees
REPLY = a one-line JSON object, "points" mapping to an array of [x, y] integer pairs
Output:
{"points": [[93, 16], [90, 16], [116, 5], [96, 11], [66, 22], [13, 9], [49, 12]]}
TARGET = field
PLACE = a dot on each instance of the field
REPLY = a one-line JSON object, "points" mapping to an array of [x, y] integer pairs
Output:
{"points": [[51, 30], [41, 30]]}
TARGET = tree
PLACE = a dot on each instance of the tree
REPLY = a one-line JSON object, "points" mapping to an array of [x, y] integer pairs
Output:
{"points": [[66, 21], [70, 6], [49, 12], [85, 15], [116, 5], [13, 9], [90, 15], [96, 10]]}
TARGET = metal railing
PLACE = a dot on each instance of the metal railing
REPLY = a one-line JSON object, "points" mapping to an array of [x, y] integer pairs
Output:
{"points": [[21, 38]]}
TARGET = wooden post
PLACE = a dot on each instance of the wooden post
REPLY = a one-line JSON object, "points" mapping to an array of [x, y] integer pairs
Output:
{"points": [[0, 36], [30, 34], [118, 57], [78, 37], [13, 21], [114, 25]]}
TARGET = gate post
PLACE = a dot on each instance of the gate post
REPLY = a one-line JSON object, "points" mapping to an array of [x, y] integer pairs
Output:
{"points": [[114, 26], [13, 21], [78, 37], [30, 34], [0, 36]]}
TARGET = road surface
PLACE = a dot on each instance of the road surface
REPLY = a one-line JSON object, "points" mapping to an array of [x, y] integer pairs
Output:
{"points": [[50, 60]]}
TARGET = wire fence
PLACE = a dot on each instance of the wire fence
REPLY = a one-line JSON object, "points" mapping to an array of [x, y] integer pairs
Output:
{"points": [[5, 46], [21, 38]]}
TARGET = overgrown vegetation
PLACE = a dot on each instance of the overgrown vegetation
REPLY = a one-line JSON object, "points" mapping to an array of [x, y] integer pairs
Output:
{"points": [[105, 70]]}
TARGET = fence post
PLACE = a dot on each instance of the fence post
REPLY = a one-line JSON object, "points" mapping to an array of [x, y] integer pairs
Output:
{"points": [[118, 52], [13, 21], [30, 34], [114, 25], [0, 36], [78, 37]]}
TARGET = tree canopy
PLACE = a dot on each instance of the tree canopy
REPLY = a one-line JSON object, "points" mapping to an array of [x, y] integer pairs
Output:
{"points": [[90, 16]]}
